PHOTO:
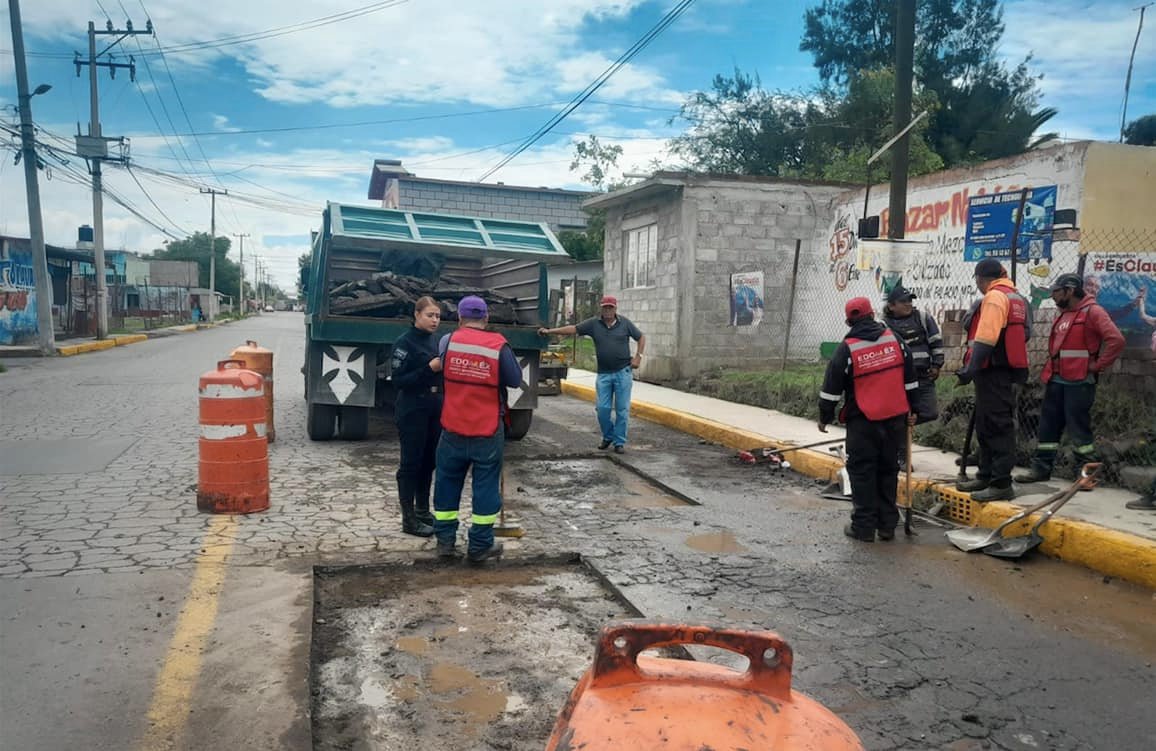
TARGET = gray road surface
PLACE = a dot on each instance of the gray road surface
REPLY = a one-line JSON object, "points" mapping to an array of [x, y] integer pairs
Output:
{"points": [[914, 644]]}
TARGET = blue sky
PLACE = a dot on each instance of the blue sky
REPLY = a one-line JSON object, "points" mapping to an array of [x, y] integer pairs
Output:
{"points": [[447, 86]]}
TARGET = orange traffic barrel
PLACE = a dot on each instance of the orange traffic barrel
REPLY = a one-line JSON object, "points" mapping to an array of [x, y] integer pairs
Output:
{"points": [[627, 700], [233, 476], [259, 359]]}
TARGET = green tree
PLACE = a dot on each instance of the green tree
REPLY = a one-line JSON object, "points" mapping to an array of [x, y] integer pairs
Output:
{"points": [[598, 159], [985, 111], [197, 248], [1141, 131], [741, 127]]}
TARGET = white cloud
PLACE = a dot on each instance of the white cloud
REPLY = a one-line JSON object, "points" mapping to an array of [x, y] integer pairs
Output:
{"points": [[1082, 49], [497, 52], [221, 123]]}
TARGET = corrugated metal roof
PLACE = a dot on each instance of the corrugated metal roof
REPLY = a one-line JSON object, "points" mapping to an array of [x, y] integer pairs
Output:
{"points": [[446, 233]]}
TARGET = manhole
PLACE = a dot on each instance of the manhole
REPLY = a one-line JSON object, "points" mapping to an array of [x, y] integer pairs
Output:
{"points": [[447, 657], [590, 482]]}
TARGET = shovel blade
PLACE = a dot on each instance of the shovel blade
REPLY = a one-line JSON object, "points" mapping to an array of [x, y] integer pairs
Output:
{"points": [[1014, 547], [968, 540]]}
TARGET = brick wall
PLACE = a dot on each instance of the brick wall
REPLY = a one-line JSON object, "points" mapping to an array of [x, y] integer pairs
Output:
{"points": [[656, 310], [742, 228], [561, 210]]}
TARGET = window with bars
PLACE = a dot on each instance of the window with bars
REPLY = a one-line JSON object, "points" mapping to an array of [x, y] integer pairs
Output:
{"points": [[641, 256]]}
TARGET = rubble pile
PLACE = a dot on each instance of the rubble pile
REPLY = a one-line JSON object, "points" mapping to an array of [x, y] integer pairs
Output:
{"points": [[390, 295]]}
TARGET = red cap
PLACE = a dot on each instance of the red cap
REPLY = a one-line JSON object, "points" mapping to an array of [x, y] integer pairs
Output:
{"points": [[857, 307], [609, 300]]}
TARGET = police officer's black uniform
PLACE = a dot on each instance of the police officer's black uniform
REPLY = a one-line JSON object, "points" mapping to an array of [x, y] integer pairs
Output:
{"points": [[417, 412]]}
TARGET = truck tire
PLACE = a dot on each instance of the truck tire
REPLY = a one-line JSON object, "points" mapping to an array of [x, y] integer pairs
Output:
{"points": [[519, 424], [353, 423], [320, 421]]}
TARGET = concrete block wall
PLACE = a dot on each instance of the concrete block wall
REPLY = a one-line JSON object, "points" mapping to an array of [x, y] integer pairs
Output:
{"points": [[560, 210], [743, 227], [654, 309]]}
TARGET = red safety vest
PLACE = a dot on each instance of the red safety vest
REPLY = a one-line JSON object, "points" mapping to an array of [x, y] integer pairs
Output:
{"points": [[1068, 345], [472, 397], [877, 372], [1012, 348]]}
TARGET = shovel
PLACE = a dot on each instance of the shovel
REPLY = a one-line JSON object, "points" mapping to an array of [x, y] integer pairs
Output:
{"points": [[975, 538], [1017, 547]]}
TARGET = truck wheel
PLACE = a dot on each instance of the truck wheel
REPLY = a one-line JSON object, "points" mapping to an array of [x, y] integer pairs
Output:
{"points": [[353, 423], [519, 424], [320, 420]]}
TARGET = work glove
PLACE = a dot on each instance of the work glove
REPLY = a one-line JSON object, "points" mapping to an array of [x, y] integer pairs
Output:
{"points": [[964, 377]]}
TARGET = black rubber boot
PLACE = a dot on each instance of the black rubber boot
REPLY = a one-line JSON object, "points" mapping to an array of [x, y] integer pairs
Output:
{"points": [[970, 486], [411, 525], [886, 535], [994, 494], [422, 513], [447, 550], [1146, 503], [860, 535]]}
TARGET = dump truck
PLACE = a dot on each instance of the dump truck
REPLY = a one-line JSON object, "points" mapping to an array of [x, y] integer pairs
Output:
{"points": [[370, 264]]}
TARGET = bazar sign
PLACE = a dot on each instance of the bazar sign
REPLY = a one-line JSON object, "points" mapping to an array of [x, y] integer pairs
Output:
{"points": [[991, 225]]}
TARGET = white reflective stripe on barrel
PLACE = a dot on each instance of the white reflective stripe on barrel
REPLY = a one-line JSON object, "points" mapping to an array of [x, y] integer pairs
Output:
{"points": [[224, 432], [229, 391]]}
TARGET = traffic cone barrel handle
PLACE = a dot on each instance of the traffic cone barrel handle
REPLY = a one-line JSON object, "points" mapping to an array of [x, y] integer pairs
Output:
{"points": [[616, 655]]}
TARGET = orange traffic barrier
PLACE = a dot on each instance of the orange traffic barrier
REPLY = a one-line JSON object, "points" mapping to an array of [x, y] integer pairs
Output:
{"points": [[627, 700], [260, 359], [233, 476]]}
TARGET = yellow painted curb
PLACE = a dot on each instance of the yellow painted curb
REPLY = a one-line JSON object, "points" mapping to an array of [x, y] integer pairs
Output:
{"points": [[187, 327], [69, 350], [129, 339], [1108, 551]]}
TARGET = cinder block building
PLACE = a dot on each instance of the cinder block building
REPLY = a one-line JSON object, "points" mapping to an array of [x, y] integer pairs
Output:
{"points": [[398, 188], [682, 247]]}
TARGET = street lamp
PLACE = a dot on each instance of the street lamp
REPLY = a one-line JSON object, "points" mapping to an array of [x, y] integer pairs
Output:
{"points": [[43, 88]]}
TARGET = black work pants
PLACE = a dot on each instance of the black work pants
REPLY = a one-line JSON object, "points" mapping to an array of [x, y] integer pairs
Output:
{"points": [[873, 466], [995, 404], [1066, 407], [418, 431]]}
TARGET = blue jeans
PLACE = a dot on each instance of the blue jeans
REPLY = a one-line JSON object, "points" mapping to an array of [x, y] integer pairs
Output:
{"points": [[613, 391], [455, 454]]}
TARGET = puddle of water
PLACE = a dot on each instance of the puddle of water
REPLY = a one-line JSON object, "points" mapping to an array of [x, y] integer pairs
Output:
{"points": [[445, 677], [715, 542]]}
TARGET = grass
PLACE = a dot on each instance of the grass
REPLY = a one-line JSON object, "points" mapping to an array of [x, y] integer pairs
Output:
{"points": [[1121, 421], [2, 368]]}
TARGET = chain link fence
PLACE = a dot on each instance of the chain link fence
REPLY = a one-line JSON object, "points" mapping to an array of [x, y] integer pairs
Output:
{"points": [[1118, 267]]}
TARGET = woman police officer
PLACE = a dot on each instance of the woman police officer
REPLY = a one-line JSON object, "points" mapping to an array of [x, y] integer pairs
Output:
{"points": [[417, 376]]}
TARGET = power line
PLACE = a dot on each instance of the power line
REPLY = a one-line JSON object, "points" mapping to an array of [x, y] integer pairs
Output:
{"points": [[252, 36], [671, 16]]}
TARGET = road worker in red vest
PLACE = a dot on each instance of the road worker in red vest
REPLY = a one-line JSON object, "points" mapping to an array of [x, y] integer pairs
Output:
{"points": [[1084, 343], [996, 360], [478, 366], [873, 373]]}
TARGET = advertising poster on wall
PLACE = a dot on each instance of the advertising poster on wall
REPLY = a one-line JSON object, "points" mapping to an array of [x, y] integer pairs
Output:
{"points": [[1125, 284], [991, 222], [746, 295]]}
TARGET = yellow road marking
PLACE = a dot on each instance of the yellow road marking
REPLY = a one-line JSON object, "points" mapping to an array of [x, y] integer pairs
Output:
{"points": [[172, 696]]}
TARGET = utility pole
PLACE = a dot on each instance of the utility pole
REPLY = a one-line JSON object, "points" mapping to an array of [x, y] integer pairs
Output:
{"points": [[904, 63], [241, 237], [213, 192], [1131, 61], [95, 149], [47, 337]]}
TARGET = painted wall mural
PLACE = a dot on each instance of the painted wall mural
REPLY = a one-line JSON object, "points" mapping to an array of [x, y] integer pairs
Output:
{"points": [[18, 322]]}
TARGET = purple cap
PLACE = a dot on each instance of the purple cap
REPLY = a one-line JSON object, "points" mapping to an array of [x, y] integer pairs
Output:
{"points": [[472, 306]]}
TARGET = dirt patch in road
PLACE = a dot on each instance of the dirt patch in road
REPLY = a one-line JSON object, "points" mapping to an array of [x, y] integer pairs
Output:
{"points": [[428, 656]]}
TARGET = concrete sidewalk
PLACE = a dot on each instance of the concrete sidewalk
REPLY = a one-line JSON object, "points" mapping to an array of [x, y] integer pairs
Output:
{"points": [[1093, 529], [81, 345]]}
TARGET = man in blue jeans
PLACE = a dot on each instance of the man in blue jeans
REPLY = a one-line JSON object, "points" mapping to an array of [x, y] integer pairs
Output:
{"points": [[611, 334], [478, 366]]}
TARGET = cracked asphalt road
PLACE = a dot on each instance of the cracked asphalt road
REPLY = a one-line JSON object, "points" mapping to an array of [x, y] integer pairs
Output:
{"points": [[913, 643]]}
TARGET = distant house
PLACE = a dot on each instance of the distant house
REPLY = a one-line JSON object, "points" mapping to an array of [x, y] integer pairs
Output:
{"points": [[398, 188]]}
